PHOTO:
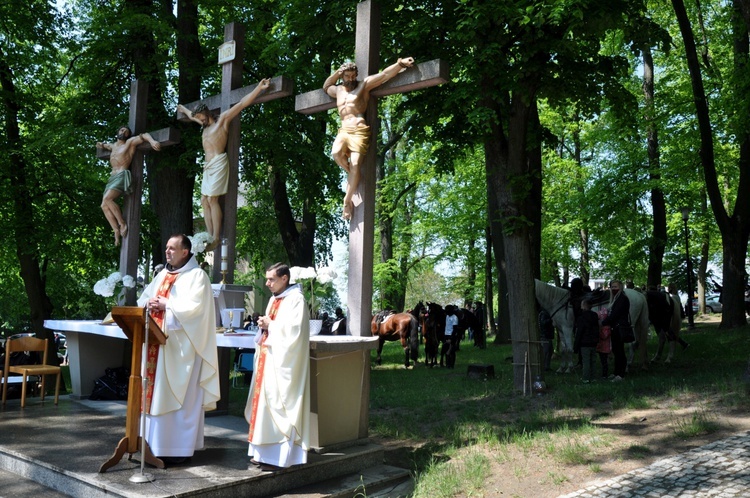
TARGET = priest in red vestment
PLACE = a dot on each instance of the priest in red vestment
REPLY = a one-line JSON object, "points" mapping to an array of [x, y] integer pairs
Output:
{"points": [[278, 405], [183, 374]]}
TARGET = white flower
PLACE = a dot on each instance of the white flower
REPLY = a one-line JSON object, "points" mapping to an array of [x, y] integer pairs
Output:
{"points": [[104, 288], [294, 273], [114, 277], [313, 284], [307, 273], [128, 281], [199, 241], [326, 275]]}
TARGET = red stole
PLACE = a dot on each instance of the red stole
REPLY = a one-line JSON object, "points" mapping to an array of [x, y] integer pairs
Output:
{"points": [[257, 385], [152, 353]]}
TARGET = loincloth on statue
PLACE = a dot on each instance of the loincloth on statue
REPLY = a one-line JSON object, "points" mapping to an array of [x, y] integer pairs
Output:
{"points": [[120, 181], [354, 138], [216, 176]]}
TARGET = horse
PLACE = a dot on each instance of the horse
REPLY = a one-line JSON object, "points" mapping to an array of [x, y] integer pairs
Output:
{"points": [[433, 327], [556, 301], [467, 320], [665, 313], [390, 326]]}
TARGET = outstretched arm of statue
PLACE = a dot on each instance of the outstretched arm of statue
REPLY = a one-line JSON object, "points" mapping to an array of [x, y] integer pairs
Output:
{"points": [[386, 74], [187, 112], [103, 145], [154, 144], [227, 116], [137, 140]]}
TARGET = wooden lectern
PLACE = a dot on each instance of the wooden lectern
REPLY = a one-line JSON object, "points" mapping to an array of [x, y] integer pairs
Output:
{"points": [[132, 321]]}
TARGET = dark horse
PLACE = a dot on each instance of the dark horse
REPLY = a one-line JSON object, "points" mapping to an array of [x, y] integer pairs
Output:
{"points": [[390, 326], [432, 331]]}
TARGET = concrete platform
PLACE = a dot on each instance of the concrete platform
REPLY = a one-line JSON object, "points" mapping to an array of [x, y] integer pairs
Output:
{"points": [[56, 451]]}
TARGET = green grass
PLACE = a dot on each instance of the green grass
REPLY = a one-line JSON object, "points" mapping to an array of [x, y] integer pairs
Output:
{"points": [[448, 418]]}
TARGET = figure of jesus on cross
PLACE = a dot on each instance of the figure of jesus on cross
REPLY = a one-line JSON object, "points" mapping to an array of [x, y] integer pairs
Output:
{"points": [[353, 137], [121, 155], [216, 161]]}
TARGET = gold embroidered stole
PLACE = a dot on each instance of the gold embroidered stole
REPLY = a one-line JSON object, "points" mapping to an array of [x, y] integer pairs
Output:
{"points": [[152, 351], [257, 385]]}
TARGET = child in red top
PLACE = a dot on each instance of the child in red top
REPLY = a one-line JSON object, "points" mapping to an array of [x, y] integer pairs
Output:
{"points": [[604, 346]]}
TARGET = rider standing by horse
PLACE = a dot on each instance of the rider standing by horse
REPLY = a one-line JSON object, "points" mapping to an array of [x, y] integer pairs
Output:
{"points": [[618, 317], [450, 338]]}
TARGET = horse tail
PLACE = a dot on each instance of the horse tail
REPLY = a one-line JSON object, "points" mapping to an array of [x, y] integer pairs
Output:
{"points": [[414, 338]]}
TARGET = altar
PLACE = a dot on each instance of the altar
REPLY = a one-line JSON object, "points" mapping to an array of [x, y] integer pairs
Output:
{"points": [[339, 373], [94, 347]]}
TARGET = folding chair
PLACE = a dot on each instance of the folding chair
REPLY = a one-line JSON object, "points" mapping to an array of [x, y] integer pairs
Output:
{"points": [[28, 344], [244, 366]]}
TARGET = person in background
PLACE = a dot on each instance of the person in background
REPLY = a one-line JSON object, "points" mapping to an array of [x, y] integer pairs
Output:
{"points": [[604, 346], [450, 339], [547, 330], [618, 313], [339, 325], [586, 338]]}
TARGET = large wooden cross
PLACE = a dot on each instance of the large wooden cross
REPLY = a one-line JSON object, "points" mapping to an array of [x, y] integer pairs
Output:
{"points": [[362, 223], [231, 93], [131, 209]]}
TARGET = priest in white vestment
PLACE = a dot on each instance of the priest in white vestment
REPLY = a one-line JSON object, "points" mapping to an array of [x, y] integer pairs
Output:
{"points": [[278, 405], [183, 374]]}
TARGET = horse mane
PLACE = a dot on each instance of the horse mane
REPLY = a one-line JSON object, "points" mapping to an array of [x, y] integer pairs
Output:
{"points": [[550, 296]]}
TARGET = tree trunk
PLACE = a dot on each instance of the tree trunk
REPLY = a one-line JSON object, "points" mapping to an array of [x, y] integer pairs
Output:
{"points": [[735, 229], [26, 233], [658, 205], [488, 294], [297, 242], [508, 178]]}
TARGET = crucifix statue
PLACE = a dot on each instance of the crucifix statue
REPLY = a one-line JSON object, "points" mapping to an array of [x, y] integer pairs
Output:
{"points": [[120, 157], [358, 107], [223, 135], [130, 154]]}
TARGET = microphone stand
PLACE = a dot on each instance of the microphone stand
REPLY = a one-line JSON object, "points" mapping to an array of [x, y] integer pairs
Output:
{"points": [[143, 477]]}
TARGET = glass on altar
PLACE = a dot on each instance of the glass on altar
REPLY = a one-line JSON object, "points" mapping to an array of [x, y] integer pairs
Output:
{"points": [[230, 297]]}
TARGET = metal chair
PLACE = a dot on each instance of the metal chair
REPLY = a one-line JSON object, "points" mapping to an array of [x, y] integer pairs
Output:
{"points": [[243, 366], [29, 344]]}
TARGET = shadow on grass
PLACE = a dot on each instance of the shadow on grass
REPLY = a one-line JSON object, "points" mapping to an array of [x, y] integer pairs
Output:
{"points": [[435, 411]]}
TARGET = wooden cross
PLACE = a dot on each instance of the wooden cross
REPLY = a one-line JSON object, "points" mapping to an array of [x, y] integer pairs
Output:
{"points": [[131, 209], [362, 223], [231, 93]]}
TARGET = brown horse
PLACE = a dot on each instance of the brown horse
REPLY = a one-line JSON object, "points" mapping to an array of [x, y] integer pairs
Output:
{"points": [[390, 326]]}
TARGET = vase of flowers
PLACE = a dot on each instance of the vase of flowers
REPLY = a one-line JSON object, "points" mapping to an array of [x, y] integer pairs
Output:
{"points": [[316, 284], [106, 287]]}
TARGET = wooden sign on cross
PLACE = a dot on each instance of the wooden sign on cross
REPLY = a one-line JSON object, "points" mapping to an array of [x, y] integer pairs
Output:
{"points": [[231, 93], [129, 250], [362, 223]]}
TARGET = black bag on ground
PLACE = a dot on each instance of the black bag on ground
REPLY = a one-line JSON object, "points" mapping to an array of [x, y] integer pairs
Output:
{"points": [[112, 386]]}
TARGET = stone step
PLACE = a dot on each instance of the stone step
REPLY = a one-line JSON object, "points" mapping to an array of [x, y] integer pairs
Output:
{"points": [[61, 448], [373, 482], [13, 486]]}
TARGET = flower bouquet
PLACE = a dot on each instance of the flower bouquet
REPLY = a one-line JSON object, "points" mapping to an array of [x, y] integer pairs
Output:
{"points": [[315, 285], [200, 242], [106, 287]]}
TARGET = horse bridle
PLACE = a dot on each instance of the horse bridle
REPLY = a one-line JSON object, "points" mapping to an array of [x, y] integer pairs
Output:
{"points": [[563, 305]]}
